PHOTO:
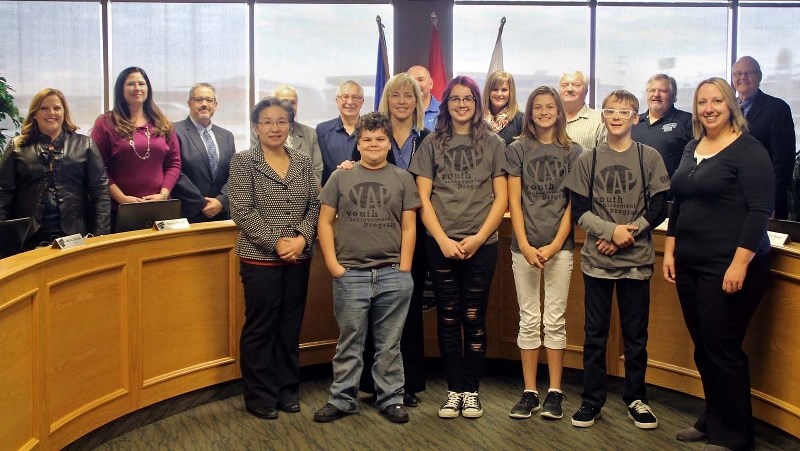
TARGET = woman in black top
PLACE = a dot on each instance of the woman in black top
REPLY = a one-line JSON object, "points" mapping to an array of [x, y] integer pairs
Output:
{"points": [[717, 254], [54, 175], [500, 108]]}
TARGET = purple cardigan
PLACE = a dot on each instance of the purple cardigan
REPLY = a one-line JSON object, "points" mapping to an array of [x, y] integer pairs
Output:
{"points": [[134, 176]]}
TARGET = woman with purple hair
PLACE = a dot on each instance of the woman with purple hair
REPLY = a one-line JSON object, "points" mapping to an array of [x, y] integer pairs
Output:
{"points": [[462, 186]]}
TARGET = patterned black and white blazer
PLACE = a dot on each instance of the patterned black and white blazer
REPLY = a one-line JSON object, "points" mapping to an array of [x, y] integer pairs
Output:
{"points": [[266, 207]]}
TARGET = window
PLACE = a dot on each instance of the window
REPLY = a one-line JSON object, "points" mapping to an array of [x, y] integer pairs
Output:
{"points": [[643, 41], [539, 43], [69, 58], [769, 35], [180, 44], [342, 46]]}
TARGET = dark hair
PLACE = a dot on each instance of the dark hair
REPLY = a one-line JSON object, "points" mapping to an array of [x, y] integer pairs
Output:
{"points": [[121, 114], [267, 102], [372, 122], [478, 130]]}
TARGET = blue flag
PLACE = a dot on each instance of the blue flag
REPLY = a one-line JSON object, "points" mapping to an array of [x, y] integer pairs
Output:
{"points": [[382, 71]]}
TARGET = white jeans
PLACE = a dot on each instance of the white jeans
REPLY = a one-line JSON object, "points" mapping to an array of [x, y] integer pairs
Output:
{"points": [[557, 275]]}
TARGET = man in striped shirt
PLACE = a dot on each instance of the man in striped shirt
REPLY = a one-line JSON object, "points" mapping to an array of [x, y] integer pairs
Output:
{"points": [[584, 125]]}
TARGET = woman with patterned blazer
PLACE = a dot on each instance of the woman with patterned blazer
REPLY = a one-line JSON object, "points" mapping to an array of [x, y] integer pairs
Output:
{"points": [[273, 200]]}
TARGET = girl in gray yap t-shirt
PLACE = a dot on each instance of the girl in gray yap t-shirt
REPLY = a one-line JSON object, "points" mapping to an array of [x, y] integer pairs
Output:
{"points": [[537, 164], [462, 186]]}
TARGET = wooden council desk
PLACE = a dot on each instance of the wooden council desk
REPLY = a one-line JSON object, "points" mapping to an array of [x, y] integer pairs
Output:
{"points": [[90, 334]]}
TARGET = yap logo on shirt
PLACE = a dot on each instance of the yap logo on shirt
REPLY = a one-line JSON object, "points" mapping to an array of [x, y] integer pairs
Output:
{"points": [[369, 195], [545, 169], [463, 158], [616, 180]]}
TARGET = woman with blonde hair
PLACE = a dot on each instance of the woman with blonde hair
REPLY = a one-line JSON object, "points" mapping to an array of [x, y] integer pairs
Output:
{"points": [[717, 254], [542, 243], [500, 109], [53, 175], [137, 142]]}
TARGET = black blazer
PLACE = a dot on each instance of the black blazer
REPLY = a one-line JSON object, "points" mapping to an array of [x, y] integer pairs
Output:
{"points": [[769, 120], [196, 181], [416, 141]]}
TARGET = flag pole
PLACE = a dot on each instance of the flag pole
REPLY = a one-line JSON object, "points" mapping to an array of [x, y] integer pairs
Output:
{"points": [[382, 70]]}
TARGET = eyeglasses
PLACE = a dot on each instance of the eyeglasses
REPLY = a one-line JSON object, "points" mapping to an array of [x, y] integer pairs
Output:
{"points": [[280, 123], [353, 97], [468, 100], [747, 74], [608, 113], [203, 99]]}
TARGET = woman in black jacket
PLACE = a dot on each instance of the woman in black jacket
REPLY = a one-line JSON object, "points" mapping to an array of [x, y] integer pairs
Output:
{"points": [[717, 254], [53, 175]]}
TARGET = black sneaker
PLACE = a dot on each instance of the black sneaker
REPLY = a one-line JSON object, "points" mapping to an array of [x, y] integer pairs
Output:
{"points": [[471, 405], [452, 407], [328, 413], [585, 416], [552, 405], [529, 402], [395, 413], [642, 416]]}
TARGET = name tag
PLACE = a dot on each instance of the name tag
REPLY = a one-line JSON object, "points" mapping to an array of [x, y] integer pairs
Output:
{"points": [[778, 239], [171, 224], [68, 242]]}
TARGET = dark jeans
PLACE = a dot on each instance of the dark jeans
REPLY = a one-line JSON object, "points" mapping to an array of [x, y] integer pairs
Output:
{"points": [[462, 288], [274, 299], [412, 343], [633, 299], [717, 323]]}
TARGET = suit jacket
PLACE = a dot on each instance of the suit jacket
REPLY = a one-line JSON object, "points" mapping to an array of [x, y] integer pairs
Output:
{"points": [[196, 181], [769, 120], [302, 138]]}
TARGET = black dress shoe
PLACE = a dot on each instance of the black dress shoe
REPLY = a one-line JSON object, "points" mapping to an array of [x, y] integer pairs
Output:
{"points": [[290, 407], [411, 400], [267, 413], [328, 413], [395, 413]]}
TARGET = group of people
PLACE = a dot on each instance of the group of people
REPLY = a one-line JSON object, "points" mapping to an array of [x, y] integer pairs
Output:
{"points": [[418, 189]]}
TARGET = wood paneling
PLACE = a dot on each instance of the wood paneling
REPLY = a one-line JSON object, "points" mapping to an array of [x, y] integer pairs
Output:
{"points": [[92, 333]]}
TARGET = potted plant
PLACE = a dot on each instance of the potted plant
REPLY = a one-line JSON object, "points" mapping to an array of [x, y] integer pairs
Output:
{"points": [[7, 110]]}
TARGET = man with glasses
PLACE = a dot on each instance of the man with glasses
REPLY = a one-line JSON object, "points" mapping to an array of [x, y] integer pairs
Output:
{"points": [[584, 125], [301, 137], [662, 126], [769, 120], [206, 152], [336, 137]]}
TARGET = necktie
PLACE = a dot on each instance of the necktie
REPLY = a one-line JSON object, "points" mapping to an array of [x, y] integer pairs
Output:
{"points": [[213, 159]]}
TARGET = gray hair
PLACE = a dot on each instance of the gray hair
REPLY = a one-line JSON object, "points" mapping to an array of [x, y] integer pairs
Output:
{"points": [[202, 85], [349, 83]]}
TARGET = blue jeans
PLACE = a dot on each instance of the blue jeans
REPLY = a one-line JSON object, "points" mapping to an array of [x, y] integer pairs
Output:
{"points": [[381, 295]]}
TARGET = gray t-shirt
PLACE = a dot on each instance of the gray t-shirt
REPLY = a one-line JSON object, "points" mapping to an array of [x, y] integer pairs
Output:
{"points": [[618, 199], [369, 204], [542, 169], [462, 193]]}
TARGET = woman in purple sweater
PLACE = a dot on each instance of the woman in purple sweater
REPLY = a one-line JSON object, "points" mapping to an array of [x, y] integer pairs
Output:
{"points": [[137, 142]]}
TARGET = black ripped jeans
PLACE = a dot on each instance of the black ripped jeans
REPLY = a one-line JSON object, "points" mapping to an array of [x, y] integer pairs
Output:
{"points": [[462, 288]]}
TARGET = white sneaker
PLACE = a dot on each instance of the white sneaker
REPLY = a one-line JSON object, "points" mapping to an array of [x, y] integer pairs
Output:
{"points": [[452, 407], [471, 407]]}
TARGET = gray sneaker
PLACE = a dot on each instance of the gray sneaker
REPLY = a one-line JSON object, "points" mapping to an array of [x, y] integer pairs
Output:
{"points": [[529, 402], [552, 405]]}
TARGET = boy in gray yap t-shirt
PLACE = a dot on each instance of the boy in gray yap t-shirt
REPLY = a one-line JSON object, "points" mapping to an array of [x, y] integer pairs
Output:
{"points": [[367, 230], [619, 193]]}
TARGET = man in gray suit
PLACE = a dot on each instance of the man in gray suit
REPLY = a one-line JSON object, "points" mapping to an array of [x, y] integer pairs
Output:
{"points": [[301, 137], [206, 152]]}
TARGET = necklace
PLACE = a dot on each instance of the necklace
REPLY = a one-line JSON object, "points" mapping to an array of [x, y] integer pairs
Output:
{"points": [[147, 153]]}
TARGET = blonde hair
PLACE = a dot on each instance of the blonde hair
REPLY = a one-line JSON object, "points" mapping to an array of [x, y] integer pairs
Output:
{"points": [[737, 120], [493, 81], [30, 129], [403, 80]]}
